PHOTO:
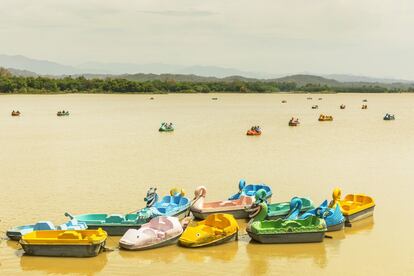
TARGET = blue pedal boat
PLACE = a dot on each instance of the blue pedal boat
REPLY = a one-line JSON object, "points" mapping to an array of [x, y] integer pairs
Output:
{"points": [[175, 205], [333, 217], [251, 189], [17, 232]]}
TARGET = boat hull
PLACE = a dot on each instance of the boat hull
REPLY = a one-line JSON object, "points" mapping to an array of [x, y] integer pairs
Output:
{"points": [[132, 247], [57, 250], [336, 227], [307, 237], [14, 235], [237, 214], [216, 242], [360, 215]]}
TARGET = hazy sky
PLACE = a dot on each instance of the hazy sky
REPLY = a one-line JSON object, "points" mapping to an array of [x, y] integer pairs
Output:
{"points": [[368, 37]]}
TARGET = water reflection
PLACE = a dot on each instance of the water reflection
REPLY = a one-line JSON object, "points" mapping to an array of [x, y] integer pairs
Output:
{"points": [[221, 253], [259, 263], [165, 254], [50, 265], [361, 226]]}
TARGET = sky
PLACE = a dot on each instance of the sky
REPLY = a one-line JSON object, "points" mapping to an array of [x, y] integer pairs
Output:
{"points": [[360, 37]]}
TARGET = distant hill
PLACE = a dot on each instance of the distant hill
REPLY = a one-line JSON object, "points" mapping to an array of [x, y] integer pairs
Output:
{"points": [[302, 80], [22, 73], [353, 78]]}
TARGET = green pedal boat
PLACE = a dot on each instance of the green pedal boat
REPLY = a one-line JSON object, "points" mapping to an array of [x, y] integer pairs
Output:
{"points": [[311, 229]]}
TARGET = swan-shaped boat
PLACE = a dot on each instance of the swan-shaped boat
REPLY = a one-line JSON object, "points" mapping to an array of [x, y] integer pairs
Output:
{"points": [[17, 232], [215, 229], [282, 209], [324, 118], [15, 113], [310, 229], [64, 243], [158, 232], [175, 204], [202, 209], [354, 207], [333, 216], [251, 189]]}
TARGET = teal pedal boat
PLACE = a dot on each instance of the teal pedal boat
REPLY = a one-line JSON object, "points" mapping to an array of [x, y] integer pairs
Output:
{"points": [[251, 189], [175, 204], [281, 209], [166, 127], [262, 230]]}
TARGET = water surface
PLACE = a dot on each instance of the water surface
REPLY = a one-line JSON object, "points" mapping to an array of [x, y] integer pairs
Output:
{"points": [[108, 152]]}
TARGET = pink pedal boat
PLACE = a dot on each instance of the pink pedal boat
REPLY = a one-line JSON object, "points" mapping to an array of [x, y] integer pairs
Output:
{"points": [[158, 232], [201, 209]]}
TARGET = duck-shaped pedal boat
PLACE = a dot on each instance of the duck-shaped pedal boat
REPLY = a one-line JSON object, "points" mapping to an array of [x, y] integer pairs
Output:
{"points": [[333, 216], [64, 243], [354, 207], [17, 232], [254, 132], [310, 229], [160, 231], [325, 118], [215, 229], [236, 207], [176, 204], [251, 189]]}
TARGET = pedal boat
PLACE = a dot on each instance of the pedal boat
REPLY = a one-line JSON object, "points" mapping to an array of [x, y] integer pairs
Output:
{"points": [[315, 106], [354, 207], [236, 207], [389, 117], [176, 204], [15, 113], [251, 189], [333, 216], [17, 232], [342, 106], [64, 243], [62, 113], [215, 229], [253, 133], [364, 106], [160, 231], [325, 118], [310, 229], [282, 209], [165, 128], [294, 122]]}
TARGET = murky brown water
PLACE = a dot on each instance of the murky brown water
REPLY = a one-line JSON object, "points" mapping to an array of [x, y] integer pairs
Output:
{"points": [[104, 156]]}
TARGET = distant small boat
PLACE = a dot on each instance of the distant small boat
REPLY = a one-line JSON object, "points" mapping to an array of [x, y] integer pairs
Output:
{"points": [[342, 106], [284, 101], [364, 106], [15, 113], [214, 99], [365, 100], [294, 122], [214, 230], [309, 98], [62, 113], [64, 243], [254, 131], [315, 106], [389, 117], [151, 98], [354, 206], [323, 118], [166, 127], [320, 99], [158, 232]]}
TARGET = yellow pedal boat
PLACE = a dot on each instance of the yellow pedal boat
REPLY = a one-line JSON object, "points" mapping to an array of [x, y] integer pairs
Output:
{"points": [[62, 243], [214, 230], [354, 206]]}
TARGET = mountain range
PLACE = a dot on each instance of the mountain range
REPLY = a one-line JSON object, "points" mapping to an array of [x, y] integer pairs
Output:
{"points": [[24, 66]]}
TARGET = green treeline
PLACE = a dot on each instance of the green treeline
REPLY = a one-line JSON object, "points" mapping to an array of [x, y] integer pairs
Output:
{"points": [[14, 84]]}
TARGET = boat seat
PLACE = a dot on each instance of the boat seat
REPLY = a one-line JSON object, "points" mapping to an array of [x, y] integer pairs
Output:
{"points": [[115, 218], [72, 235], [44, 225], [218, 221]]}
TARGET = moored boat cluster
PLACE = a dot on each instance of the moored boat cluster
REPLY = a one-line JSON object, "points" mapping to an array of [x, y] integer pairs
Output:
{"points": [[167, 221]]}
